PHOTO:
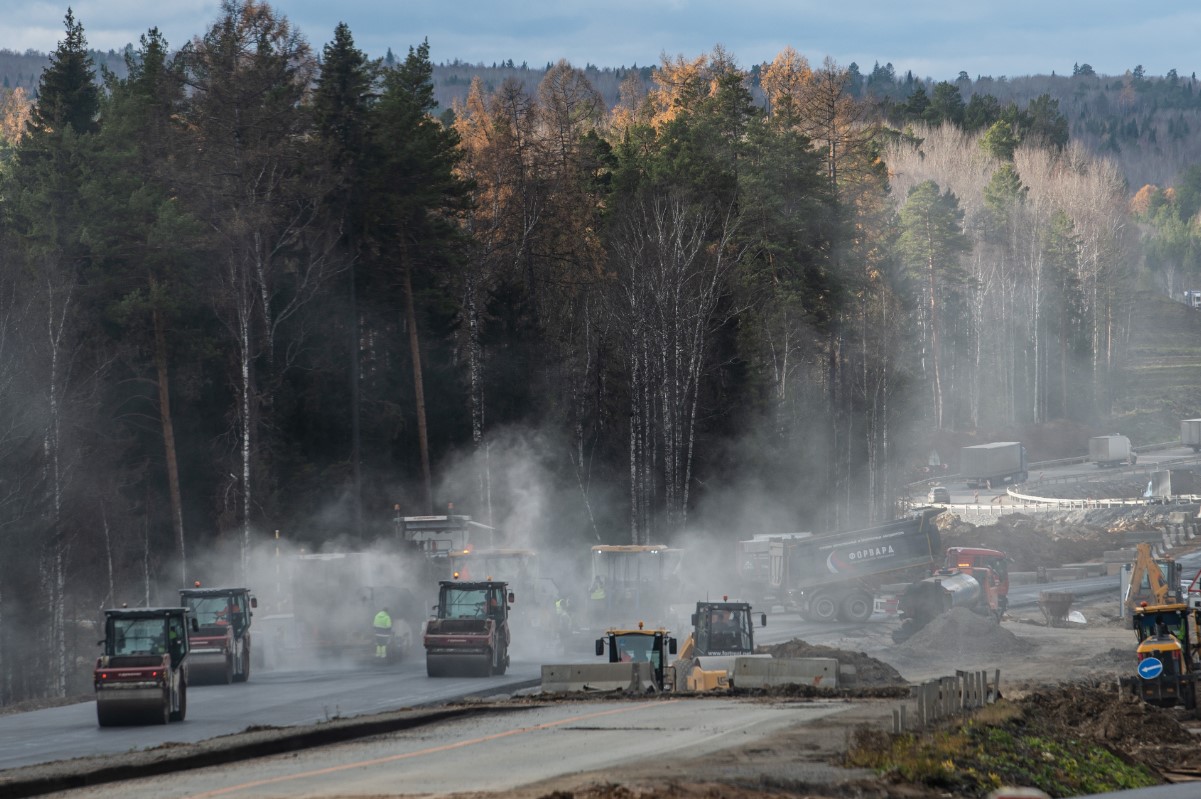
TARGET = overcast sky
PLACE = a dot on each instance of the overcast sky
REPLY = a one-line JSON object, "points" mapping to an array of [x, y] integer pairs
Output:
{"points": [[933, 38]]}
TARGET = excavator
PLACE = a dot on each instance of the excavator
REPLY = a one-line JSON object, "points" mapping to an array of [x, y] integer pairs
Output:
{"points": [[1153, 581]]}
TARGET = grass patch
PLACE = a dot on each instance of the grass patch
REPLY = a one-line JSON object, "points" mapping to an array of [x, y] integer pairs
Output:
{"points": [[1000, 746]]}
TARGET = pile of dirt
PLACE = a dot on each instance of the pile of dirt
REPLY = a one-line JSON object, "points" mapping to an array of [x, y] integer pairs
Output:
{"points": [[1031, 540], [1116, 719], [868, 670], [959, 631]]}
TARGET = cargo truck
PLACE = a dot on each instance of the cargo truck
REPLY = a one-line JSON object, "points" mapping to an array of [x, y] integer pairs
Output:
{"points": [[837, 575], [1106, 451], [1190, 434], [992, 465]]}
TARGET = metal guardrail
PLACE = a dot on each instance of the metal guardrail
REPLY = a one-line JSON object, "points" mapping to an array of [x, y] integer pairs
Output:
{"points": [[926, 482]]}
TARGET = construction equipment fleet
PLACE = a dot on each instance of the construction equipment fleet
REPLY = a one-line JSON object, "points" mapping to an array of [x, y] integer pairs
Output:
{"points": [[469, 633], [970, 577], [836, 576], [142, 675], [220, 645]]}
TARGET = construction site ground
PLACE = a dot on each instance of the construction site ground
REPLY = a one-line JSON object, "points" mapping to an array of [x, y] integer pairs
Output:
{"points": [[1059, 682]]}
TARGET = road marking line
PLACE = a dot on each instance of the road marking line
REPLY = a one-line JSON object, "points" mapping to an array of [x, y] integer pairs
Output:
{"points": [[430, 751]]}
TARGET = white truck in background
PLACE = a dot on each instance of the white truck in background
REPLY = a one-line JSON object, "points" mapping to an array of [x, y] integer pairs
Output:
{"points": [[1106, 451], [993, 465], [1190, 434]]}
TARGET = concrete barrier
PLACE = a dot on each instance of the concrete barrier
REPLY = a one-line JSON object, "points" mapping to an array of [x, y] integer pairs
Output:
{"points": [[769, 672], [575, 677], [1089, 569]]}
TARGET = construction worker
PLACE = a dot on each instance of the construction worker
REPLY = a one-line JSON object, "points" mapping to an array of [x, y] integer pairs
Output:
{"points": [[383, 633]]}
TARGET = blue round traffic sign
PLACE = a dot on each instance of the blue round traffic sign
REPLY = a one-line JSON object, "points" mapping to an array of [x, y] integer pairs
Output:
{"points": [[1150, 668]]}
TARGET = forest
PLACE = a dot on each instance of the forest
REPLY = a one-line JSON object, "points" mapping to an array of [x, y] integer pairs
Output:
{"points": [[252, 288]]}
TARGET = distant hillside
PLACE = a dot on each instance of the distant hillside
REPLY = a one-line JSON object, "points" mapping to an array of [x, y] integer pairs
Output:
{"points": [[1151, 126], [1157, 387]]}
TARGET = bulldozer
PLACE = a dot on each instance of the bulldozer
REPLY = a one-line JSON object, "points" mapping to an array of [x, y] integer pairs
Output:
{"points": [[1167, 655]]}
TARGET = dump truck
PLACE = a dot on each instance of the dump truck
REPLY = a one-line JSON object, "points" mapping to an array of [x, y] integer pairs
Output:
{"points": [[220, 646], [1190, 434], [993, 465], [970, 577], [142, 676], [469, 633], [1108, 451], [836, 576], [753, 562]]}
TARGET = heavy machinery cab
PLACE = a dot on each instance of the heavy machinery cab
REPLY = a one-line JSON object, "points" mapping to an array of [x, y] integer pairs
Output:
{"points": [[975, 558], [146, 633], [722, 628], [639, 646], [220, 607], [473, 600]]}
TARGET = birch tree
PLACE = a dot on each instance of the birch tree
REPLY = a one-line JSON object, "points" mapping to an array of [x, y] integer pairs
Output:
{"points": [[252, 186]]}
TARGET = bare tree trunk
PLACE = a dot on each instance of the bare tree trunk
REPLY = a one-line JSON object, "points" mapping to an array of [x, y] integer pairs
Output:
{"points": [[418, 389], [165, 418], [356, 401]]}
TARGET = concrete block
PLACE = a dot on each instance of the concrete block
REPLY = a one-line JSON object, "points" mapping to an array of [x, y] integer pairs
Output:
{"points": [[769, 672], [1142, 537], [1090, 569], [1119, 556], [574, 677], [1114, 568], [1064, 573]]}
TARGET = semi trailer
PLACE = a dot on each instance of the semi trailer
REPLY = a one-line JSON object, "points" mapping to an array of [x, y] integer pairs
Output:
{"points": [[993, 465]]}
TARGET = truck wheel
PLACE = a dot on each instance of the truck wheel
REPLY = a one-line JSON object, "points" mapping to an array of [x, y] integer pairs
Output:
{"points": [[182, 713], [823, 608], [856, 608]]}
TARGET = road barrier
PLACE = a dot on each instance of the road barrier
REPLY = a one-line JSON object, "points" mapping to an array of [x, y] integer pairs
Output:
{"points": [[944, 697], [751, 672]]}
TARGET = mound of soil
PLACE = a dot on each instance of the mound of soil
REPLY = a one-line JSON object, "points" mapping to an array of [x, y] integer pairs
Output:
{"points": [[959, 631], [868, 670], [1105, 714]]}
